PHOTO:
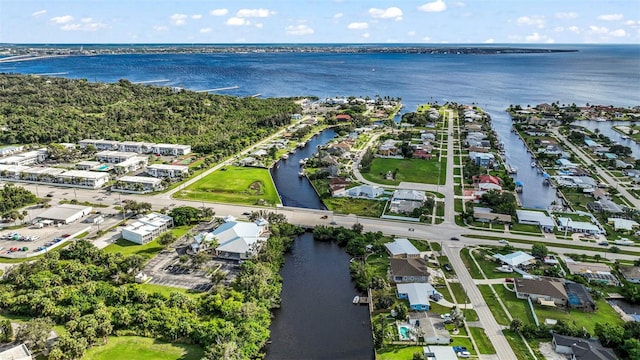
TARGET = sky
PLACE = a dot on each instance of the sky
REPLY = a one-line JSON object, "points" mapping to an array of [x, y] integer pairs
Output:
{"points": [[320, 21]]}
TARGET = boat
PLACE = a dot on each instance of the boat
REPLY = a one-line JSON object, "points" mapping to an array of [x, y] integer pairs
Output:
{"points": [[292, 151], [301, 173], [519, 186], [356, 299], [624, 137], [533, 164], [301, 162], [285, 156]]}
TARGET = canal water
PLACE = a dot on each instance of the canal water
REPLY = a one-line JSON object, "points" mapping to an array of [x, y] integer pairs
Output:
{"points": [[606, 128], [294, 190], [535, 194], [317, 319]]}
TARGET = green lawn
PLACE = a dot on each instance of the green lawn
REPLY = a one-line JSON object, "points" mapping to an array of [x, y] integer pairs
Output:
{"points": [[421, 245], [141, 348], [603, 314], [526, 228], [470, 314], [361, 207], [396, 352], [518, 345], [483, 342], [494, 306], [411, 170], [519, 309], [470, 265], [458, 293], [236, 185], [164, 290], [147, 250], [379, 264]]}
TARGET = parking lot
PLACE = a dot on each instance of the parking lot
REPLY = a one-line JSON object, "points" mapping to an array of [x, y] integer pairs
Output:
{"points": [[33, 239]]}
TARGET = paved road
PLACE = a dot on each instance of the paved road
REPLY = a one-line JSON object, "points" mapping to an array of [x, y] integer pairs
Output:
{"points": [[609, 179], [488, 321]]}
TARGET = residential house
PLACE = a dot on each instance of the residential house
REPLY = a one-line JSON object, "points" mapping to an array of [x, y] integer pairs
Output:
{"points": [[630, 273], [81, 178], [239, 240], [12, 172], [427, 136], [483, 214], [566, 224], [538, 218], [579, 297], [16, 352], [417, 294], [363, 191], [147, 228], [408, 270], [88, 165], [402, 249], [516, 259], [405, 201], [581, 349], [99, 145], [623, 224], [482, 159], [131, 164], [592, 272], [248, 161], [343, 117], [136, 147], [26, 158], [605, 205], [487, 182], [164, 170], [421, 154], [389, 148], [546, 291]]}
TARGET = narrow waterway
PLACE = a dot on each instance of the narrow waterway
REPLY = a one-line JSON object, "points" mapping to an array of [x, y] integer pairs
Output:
{"points": [[535, 194], [317, 319], [294, 190], [606, 128]]}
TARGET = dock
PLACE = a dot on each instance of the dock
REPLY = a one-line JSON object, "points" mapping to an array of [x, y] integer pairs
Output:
{"points": [[363, 300]]}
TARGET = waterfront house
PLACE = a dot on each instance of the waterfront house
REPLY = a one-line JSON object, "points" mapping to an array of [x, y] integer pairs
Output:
{"points": [[239, 240], [592, 272], [538, 218], [408, 270], [630, 273], [362, 191], [482, 159], [579, 297], [402, 249], [417, 294], [581, 349], [544, 290], [566, 224]]}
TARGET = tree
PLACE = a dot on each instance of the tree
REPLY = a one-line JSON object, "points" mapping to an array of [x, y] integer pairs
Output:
{"points": [[6, 331], [539, 250], [610, 335], [166, 238], [357, 227], [401, 310], [597, 257], [418, 356], [516, 325], [35, 332], [184, 215], [200, 258]]}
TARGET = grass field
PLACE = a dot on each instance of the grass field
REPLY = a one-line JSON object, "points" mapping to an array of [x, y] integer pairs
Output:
{"points": [[458, 292], [519, 309], [603, 314], [165, 290], [141, 348], [396, 352], [483, 342], [361, 207], [497, 311], [518, 345], [235, 185], [147, 250], [411, 170]]}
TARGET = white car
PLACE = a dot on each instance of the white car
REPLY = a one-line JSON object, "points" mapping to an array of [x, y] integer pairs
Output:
{"points": [[503, 241], [463, 354]]}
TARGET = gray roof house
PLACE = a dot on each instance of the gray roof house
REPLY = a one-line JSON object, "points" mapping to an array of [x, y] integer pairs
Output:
{"points": [[408, 270], [631, 273], [581, 349], [240, 240], [542, 290]]}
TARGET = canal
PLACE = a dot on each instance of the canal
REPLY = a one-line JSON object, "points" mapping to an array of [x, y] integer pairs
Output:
{"points": [[535, 194], [317, 319], [606, 128]]}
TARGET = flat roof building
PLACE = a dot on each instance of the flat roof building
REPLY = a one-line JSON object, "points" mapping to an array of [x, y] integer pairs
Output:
{"points": [[136, 147], [147, 228], [535, 218], [82, 178], [99, 144], [417, 294], [164, 170], [137, 184], [402, 248], [171, 149], [515, 259], [114, 157], [66, 213], [132, 164], [27, 158]]}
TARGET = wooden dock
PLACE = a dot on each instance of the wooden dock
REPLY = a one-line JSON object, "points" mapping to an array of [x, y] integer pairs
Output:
{"points": [[363, 300]]}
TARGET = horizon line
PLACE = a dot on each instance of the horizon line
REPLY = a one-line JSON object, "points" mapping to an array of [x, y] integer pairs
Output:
{"points": [[311, 43]]}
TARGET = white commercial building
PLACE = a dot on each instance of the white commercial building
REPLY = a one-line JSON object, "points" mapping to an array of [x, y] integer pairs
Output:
{"points": [[240, 240], [114, 157], [171, 149], [42, 174], [536, 218], [82, 178], [27, 158], [566, 224], [66, 213], [10, 150], [136, 147], [12, 172], [147, 228], [164, 170], [138, 184], [88, 165]]}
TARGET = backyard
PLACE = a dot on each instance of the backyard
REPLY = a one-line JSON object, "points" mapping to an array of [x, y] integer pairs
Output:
{"points": [[236, 185], [409, 170]]}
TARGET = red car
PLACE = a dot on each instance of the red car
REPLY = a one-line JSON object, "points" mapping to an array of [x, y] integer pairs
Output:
{"points": [[66, 235]]}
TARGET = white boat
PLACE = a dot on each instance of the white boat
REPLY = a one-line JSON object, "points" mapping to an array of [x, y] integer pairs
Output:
{"points": [[301, 162], [301, 173], [624, 137], [356, 299], [533, 164], [292, 151], [285, 156]]}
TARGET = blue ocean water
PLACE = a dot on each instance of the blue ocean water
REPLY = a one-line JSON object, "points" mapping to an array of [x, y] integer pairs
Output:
{"points": [[595, 74]]}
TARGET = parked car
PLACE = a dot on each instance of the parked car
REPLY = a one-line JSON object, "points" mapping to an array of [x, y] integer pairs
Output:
{"points": [[503, 241], [324, 217], [454, 238], [509, 280], [447, 267], [435, 297], [246, 213], [463, 354], [66, 235], [333, 223]]}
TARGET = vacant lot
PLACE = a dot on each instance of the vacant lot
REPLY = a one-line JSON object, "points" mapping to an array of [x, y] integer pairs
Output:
{"points": [[141, 348], [236, 185], [409, 170]]}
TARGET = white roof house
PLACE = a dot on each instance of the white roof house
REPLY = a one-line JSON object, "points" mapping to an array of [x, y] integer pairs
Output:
{"points": [[411, 195], [434, 352], [18, 352], [138, 184], [578, 226], [622, 224], [239, 240], [417, 293], [515, 259], [401, 248], [535, 218], [66, 213], [366, 191], [82, 178]]}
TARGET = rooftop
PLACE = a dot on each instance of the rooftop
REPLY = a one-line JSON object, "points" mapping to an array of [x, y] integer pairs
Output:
{"points": [[552, 287], [515, 259], [401, 247], [418, 293], [408, 267]]}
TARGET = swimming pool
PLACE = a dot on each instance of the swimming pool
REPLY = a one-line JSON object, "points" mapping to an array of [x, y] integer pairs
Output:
{"points": [[103, 167], [405, 334]]}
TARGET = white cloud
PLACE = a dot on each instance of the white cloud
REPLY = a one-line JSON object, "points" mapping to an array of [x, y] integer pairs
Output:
{"points": [[338, 15], [390, 13], [631, 22], [219, 12], [38, 13], [205, 30], [236, 21], [574, 29], [300, 29], [196, 16], [411, 33], [531, 20], [598, 30], [358, 26], [426, 38], [436, 6], [62, 19], [459, 4], [535, 37], [611, 17], [160, 28], [566, 15], [84, 26], [260, 13], [366, 35], [489, 41], [178, 19], [618, 33], [259, 25], [86, 20]]}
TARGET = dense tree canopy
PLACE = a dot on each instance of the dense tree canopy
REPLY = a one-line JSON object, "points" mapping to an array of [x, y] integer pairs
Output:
{"points": [[51, 110], [14, 197]]}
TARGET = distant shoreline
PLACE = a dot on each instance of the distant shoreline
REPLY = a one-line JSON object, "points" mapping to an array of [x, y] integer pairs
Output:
{"points": [[98, 49]]}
